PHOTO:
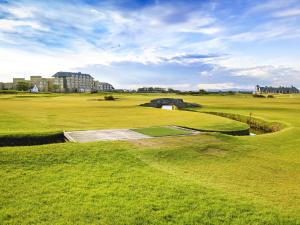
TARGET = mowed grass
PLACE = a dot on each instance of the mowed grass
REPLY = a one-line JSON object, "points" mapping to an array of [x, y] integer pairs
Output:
{"points": [[198, 179], [108, 183], [161, 131], [52, 113]]}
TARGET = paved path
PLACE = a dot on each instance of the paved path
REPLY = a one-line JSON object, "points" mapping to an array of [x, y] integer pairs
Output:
{"points": [[104, 135]]}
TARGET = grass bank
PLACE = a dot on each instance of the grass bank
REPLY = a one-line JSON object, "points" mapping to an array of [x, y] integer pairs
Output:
{"points": [[254, 123], [23, 139]]}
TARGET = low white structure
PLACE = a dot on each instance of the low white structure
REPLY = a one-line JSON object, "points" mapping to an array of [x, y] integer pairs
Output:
{"points": [[34, 89], [168, 107]]}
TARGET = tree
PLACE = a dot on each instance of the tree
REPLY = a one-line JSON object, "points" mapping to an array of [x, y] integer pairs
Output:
{"points": [[23, 86], [53, 87], [202, 92]]}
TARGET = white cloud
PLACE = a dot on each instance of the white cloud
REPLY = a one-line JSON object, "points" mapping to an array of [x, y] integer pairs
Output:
{"points": [[13, 25], [287, 13], [21, 12], [259, 72], [223, 86], [270, 5]]}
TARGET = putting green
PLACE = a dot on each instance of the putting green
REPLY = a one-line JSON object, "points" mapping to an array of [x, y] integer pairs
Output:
{"points": [[161, 131]]}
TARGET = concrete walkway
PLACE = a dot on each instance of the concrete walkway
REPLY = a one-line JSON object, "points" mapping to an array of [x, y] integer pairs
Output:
{"points": [[103, 135]]}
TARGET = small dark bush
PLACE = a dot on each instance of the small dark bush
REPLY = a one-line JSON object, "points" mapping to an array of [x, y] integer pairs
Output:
{"points": [[270, 96], [94, 91], [258, 96], [109, 98], [9, 92]]}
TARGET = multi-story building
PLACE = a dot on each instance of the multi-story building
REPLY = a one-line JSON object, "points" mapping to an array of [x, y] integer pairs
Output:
{"points": [[8, 86], [41, 83], [75, 82], [276, 90], [61, 82], [15, 82], [152, 90], [102, 86]]}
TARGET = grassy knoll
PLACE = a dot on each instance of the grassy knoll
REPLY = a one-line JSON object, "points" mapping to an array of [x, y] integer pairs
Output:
{"points": [[161, 131], [199, 179]]}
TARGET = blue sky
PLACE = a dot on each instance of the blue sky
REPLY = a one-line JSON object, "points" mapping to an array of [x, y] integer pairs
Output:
{"points": [[180, 44]]}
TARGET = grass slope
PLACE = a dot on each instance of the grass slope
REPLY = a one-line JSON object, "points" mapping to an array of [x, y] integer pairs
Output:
{"points": [[199, 179], [109, 184]]}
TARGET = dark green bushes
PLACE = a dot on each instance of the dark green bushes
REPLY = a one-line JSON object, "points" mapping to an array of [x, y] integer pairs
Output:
{"points": [[258, 96], [9, 92], [109, 98]]}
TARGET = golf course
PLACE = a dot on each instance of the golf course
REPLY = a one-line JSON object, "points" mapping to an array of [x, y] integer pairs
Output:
{"points": [[171, 178]]}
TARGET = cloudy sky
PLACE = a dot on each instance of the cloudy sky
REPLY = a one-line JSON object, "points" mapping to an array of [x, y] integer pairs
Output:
{"points": [[210, 44]]}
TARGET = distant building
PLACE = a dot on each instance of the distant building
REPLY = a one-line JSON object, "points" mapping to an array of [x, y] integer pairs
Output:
{"points": [[34, 89], [102, 86], [275, 90], [8, 86], [152, 90], [61, 82], [75, 82], [41, 83], [15, 82]]}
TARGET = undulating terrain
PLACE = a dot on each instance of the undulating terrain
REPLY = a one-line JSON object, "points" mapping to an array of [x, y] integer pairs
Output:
{"points": [[209, 178]]}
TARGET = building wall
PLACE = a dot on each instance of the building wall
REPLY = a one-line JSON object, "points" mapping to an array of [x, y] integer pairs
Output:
{"points": [[41, 83], [276, 90], [15, 82], [8, 86], [102, 86], [65, 81], [79, 83], [60, 83]]}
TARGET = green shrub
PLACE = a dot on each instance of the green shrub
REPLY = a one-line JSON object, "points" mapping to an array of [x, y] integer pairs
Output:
{"points": [[270, 96], [9, 92], [258, 96], [94, 91], [109, 98]]}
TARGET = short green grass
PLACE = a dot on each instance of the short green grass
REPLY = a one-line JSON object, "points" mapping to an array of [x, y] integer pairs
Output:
{"points": [[54, 113], [161, 131], [197, 179]]}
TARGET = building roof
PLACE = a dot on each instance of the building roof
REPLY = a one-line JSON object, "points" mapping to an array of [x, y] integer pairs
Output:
{"points": [[69, 74], [270, 88]]}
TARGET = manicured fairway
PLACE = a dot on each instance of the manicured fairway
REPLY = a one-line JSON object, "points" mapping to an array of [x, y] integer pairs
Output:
{"points": [[38, 113], [161, 131], [198, 179]]}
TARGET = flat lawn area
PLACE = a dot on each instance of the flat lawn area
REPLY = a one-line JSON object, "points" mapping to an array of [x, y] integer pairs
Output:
{"points": [[47, 113], [161, 131], [197, 179]]}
